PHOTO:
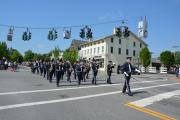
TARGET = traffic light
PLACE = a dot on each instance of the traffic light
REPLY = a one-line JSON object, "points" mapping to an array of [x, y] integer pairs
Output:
{"points": [[55, 34], [126, 32], [29, 36], [67, 34], [118, 32], [25, 36], [82, 34], [9, 37], [89, 33], [50, 35], [10, 34]]}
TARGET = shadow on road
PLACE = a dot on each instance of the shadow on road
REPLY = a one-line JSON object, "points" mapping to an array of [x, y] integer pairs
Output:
{"points": [[139, 92]]}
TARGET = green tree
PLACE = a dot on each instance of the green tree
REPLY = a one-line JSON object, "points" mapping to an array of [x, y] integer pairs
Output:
{"points": [[145, 57], [177, 57], [167, 58], [28, 55], [3, 50], [16, 56], [70, 55], [37, 56], [46, 57], [56, 52]]}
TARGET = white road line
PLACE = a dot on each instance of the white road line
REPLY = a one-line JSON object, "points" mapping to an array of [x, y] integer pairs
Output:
{"points": [[72, 88], [76, 98], [177, 96], [150, 100]]}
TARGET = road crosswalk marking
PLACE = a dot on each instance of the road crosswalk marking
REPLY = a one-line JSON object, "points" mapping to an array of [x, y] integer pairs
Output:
{"points": [[150, 100]]}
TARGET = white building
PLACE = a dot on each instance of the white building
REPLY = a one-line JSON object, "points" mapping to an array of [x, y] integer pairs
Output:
{"points": [[112, 48]]}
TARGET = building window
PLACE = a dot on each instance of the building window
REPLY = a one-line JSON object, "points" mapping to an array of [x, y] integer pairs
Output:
{"points": [[119, 51], [140, 45], [112, 40], [91, 51], [88, 51], [98, 50], [85, 52], [119, 41], [94, 50], [134, 53], [102, 49], [127, 52], [111, 49], [134, 44]]}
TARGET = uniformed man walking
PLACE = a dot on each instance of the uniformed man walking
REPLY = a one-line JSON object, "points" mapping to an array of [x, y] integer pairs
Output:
{"points": [[51, 72], [41, 67], [69, 71], [127, 69], [44, 69], [59, 71], [95, 71], [79, 72], [109, 72], [87, 69]]}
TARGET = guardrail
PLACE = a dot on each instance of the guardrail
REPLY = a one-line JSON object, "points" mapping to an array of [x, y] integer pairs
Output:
{"points": [[142, 69], [152, 70], [163, 70]]}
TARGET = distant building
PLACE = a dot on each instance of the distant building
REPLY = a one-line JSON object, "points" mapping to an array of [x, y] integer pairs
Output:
{"points": [[112, 48], [76, 43]]}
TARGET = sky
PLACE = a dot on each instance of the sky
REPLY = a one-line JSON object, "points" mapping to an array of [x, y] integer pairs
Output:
{"points": [[163, 17]]}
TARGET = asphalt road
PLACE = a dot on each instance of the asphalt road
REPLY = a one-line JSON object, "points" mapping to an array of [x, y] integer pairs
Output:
{"points": [[24, 96]]}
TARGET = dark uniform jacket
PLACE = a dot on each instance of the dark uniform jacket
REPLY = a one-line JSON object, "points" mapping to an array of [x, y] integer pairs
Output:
{"points": [[79, 71], [109, 69], [60, 68], [125, 68], [95, 68]]}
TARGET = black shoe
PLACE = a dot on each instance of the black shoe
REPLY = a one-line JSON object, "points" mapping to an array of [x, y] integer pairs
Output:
{"points": [[130, 94]]}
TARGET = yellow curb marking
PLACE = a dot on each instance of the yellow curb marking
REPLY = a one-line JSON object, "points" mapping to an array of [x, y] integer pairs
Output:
{"points": [[150, 112]]}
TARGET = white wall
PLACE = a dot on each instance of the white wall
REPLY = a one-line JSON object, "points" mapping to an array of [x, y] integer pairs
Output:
{"points": [[126, 43]]}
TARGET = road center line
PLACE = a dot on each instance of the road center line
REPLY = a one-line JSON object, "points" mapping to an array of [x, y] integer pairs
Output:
{"points": [[76, 98], [72, 88], [150, 112]]}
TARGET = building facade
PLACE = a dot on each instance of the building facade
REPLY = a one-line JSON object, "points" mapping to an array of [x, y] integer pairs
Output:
{"points": [[112, 48]]}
